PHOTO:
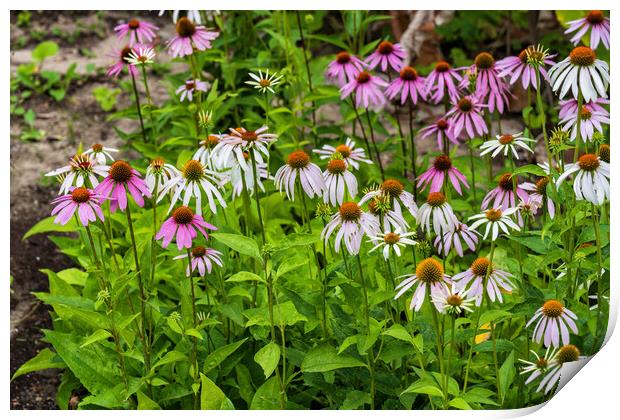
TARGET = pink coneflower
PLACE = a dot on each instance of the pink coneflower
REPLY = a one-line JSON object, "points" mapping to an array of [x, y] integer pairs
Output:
{"points": [[452, 239], [538, 191], [387, 54], [436, 174], [310, 176], [439, 212], [591, 121], [241, 140], [489, 84], [428, 273], [476, 274], [394, 190], [495, 220], [592, 180], [121, 179], [553, 319], [503, 196], [528, 207], [353, 223], [188, 37], [344, 68], [191, 85], [100, 154], [409, 85], [121, 56], [580, 72], [467, 115], [595, 21], [202, 259], [568, 107], [183, 224], [81, 170], [139, 31], [338, 180], [85, 201], [442, 128], [350, 154], [521, 67], [367, 90], [441, 81]]}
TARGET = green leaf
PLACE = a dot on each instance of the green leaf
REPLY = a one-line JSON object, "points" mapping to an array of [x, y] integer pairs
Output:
{"points": [[267, 396], [325, 358], [45, 359], [245, 276], [98, 335], [424, 386], [506, 374], [172, 356], [268, 358], [283, 314], [145, 403], [529, 169], [216, 357], [241, 244], [460, 403], [48, 225], [44, 50], [399, 332], [212, 397]]}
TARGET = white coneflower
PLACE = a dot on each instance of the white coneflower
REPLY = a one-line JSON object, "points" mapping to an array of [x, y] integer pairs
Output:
{"points": [[392, 240], [540, 366], [506, 143], [495, 219], [158, 173], [581, 72], [395, 191], [338, 180], [264, 82], [194, 178], [353, 223], [380, 207], [553, 322], [591, 181], [100, 153], [428, 273], [238, 175], [451, 300], [351, 154], [475, 276], [551, 366], [80, 170], [241, 140], [205, 153], [437, 211], [141, 55], [298, 166]]}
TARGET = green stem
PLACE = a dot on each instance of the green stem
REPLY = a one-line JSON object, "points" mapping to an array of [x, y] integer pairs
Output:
{"points": [[374, 145], [413, 151], [138, 106], [256, 195], [303, 47]]}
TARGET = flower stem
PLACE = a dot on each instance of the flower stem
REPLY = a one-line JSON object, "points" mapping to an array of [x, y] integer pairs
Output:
{"points": [[374, 145], [439, 337], [371, 363], [359, 121], [138, 106], [148, 98], [413, 151], [599, 275], [307, 63], [194, 354], [256, 193]]}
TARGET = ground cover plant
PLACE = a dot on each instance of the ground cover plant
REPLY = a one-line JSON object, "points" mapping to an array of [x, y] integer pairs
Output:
{"points": [[309, 220]]}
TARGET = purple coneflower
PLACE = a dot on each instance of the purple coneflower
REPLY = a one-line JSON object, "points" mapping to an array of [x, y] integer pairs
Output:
{"points": [[452, 239], [85, 201], [520, 66], [568, 107], [467, 115], [202, 259], [442, 81], [188, 37], [352, 155], [183, 224], [338, 180], [367, 90], [122, 178], [580, 72], [139, 31], [442, 128], [538, 191], [489, 84], [353, 223], [495, 220], [553, 319], [82, 169], [428, 273], [121, 56], [441, 170], [344, 68], [191, 85], [387, 54], [591, 121], [439, 212], [298, 165], [475, 276], [592, 180], [409, 85], [503, 196], [595, 21]]}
